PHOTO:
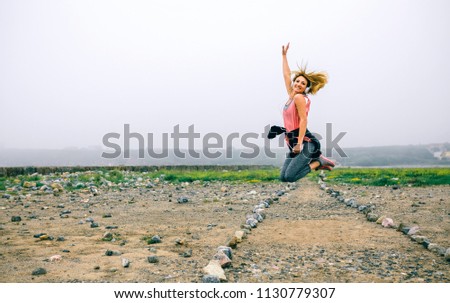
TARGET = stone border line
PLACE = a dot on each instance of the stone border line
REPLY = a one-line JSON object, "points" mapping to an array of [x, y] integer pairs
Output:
{"points": [[214, 271], [372, 216]]}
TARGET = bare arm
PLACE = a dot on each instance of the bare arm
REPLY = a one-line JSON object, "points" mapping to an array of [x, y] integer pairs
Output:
{"points": [[286, 69], [300, 104]]}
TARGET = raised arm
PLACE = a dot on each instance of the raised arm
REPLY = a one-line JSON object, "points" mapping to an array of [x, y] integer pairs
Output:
{"points": [[286, 70]]}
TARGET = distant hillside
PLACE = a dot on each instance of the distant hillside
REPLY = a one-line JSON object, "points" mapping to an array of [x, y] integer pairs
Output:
{"points": [[413, 155]]}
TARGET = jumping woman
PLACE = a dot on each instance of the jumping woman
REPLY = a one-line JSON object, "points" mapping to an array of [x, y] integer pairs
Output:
{"points": [[304, 149]]}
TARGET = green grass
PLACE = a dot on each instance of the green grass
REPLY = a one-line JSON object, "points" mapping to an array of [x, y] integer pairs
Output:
{"points": [[389, 176], [252, 176]]}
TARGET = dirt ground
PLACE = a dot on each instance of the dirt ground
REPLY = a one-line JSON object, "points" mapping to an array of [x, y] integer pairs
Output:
{"points": [[307, 235]]}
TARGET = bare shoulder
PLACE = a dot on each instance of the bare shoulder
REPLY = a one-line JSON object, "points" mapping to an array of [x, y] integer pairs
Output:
{"points": [[299, 99]]}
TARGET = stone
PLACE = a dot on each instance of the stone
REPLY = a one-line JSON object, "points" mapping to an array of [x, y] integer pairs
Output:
{"points": [[413, 230], [447, 254], [436, 249], [28, 184], [362, 208], [125, 262], [16, 219], [426, 243], [223, 259], [239, 234], [214, 269], [187, 253], [55, 258], [280, 193], [153, 259], [39, 271], [226, 250], [154, 239], [419, 239], [107, 236], [94, 225], [387, 222], [380, 219], [233, 242], [261, 212], [372, 217], [258, 217], [183, 200], [112, 253], [252, 222], [6, 196], [210, 279]]}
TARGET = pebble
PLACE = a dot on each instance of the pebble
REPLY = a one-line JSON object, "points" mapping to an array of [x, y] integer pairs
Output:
{"points": [[16, 219], [252, 222], [6, 196], [371, 217], [222, 258], [413, 230], [418, 239], [362, 208], [233, 242], [39, 271], [239, 234], [280, 193], [153, 259], [210, 279], [387, 222], [447, 254], [187, 253], [125, 262], [226, 250], [436, 249], [258, 217], [94, 225], [154, 239], [112, 227], [112, 253], [107, 236], [214, 269], [183, 200], [55, 258]]}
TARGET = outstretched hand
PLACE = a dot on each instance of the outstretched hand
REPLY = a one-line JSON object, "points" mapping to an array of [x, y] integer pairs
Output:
{"points": [[285, 49]]}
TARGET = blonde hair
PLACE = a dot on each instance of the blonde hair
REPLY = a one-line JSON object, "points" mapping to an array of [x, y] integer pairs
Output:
{"points": [[316, 80]]}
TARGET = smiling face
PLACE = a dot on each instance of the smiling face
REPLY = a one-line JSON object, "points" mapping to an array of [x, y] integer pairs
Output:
{"points": [[299, 85]]}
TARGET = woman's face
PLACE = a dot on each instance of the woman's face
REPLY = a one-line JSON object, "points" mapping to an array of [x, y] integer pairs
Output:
{"points": [[299, 85]]}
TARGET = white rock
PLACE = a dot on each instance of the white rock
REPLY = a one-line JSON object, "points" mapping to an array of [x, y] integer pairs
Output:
{"points": [[447, 254], [213, 268]]}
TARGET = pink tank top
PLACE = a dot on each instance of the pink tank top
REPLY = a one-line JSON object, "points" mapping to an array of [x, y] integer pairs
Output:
{"points": [[290, 114]]}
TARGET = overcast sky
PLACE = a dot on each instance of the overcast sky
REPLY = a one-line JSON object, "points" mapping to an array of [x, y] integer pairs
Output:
{"points": [[73, 71]]}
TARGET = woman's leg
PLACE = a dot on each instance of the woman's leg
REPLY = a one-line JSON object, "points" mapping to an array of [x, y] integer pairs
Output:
{"points": [[299, 166], [284, 167]]}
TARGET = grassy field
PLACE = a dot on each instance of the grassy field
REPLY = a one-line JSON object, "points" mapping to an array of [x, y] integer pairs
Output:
{"points": [[389, 176], [360, 176]]}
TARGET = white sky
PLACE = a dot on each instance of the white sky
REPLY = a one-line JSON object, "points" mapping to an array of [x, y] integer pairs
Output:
{"points": [[72, 71]]}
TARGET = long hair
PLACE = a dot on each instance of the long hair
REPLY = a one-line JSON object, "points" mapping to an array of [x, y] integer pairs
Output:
{"points": [[315, 80]]}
